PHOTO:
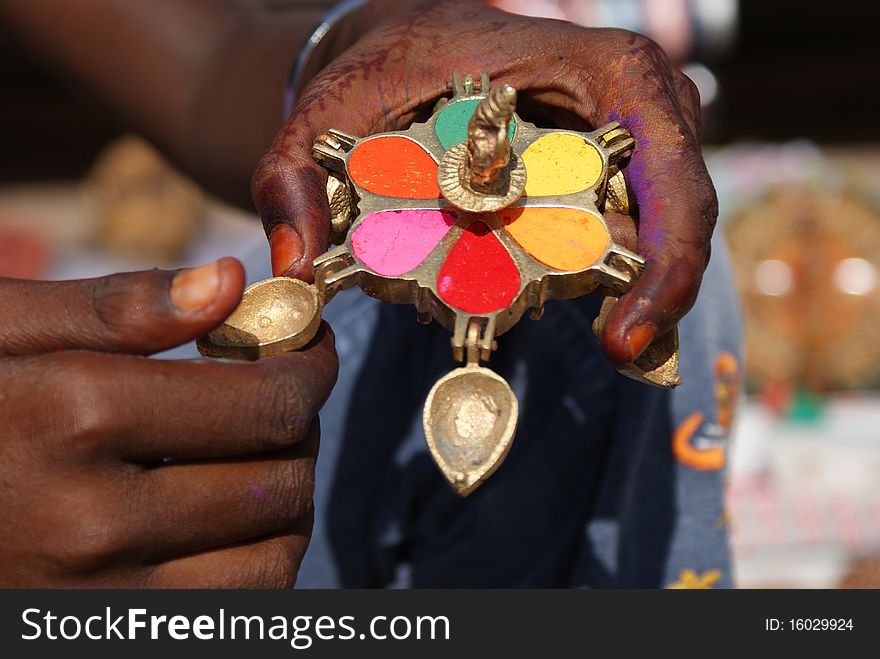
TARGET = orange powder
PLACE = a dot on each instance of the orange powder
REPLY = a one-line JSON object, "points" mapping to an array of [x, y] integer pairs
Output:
{"points": [[394, 166], [561, 238]]}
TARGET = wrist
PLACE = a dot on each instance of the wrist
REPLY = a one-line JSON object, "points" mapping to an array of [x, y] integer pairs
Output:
{"points": [[322, 45], [336, 34]]}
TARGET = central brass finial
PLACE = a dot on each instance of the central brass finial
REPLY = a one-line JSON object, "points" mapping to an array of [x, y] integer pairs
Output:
{"points": [[484, 174], [488, 142]]}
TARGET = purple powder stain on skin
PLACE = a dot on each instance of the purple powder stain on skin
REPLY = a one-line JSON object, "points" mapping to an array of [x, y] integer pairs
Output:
{"points": [[392, 243], [257, 491], [641, 173]]}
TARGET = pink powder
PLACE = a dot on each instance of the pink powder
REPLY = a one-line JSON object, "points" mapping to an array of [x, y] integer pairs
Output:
{"points": [[392, 243]]}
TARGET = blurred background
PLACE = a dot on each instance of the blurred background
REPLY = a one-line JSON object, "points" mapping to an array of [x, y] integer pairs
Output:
{"points": [[788, 91]]}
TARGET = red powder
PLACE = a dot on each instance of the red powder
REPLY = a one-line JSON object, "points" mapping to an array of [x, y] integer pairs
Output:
{"points": [[478, 276], [394, 166]]}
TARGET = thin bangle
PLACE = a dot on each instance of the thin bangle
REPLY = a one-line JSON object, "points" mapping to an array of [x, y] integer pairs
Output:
{"points": [[330, 20]]}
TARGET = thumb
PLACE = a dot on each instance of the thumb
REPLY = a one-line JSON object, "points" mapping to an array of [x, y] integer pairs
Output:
{"points": [[137, 312], [289, 188], [290, 193]]}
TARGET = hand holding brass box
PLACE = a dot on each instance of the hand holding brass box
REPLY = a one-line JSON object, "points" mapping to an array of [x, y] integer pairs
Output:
{"points": [[475, 217]]}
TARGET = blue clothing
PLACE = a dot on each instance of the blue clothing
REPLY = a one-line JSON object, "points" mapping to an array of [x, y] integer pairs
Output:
{"points": [[592, 493]]}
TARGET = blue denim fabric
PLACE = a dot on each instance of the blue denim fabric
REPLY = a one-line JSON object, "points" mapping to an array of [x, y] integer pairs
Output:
{"points": [[591, 494]]}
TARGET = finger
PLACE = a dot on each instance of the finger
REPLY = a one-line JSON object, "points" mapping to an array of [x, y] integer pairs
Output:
{"points": [[138, 312], [194, 507], [140, 409], [623, 229], [677, 204], [289, 191], [290, 194], [270, 563]]}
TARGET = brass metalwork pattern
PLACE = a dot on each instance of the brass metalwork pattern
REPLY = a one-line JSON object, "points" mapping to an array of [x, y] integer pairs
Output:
{"points": [[482, 174], [470, 415], [339, 268]]}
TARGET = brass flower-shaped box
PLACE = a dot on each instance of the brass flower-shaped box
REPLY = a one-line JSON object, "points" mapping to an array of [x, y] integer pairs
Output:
{"points": [[474, 217], [410, 243]]}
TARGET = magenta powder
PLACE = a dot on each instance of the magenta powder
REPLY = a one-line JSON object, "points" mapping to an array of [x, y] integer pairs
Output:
{"points": [[392, 243]]}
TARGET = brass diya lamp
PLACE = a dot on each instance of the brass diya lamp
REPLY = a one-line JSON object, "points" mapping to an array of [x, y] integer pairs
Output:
{"points": [[475, 217]]}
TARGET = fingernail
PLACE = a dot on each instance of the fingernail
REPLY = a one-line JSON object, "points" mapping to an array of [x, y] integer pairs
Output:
{"points": [[287, 248], [640, 337], [195, 288]]}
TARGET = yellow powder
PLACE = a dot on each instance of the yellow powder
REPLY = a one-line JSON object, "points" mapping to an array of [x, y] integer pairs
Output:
{"points": [[560, 163]]}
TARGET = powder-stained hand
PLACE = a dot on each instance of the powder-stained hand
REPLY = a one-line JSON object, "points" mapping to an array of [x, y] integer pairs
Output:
{"points": [[576, 77]]}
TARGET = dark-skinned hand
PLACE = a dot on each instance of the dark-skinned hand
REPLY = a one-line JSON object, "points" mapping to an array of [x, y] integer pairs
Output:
{"points": [[122, 471], [576, 77]]}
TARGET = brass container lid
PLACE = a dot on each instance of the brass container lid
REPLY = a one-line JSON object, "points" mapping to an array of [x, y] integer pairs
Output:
{"points": [[469, 420], [275, 315]]}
